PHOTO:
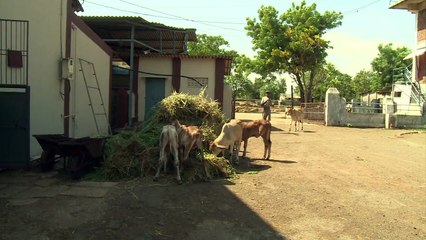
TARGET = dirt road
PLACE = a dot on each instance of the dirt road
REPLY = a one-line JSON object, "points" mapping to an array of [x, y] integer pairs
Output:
{"points": [[320, 183]]}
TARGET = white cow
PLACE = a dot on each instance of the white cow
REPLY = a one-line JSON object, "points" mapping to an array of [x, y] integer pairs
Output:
{"points": [[229, 138], [168, 145]]}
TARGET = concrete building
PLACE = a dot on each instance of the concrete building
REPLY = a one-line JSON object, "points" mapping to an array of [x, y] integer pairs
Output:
{"points": [[417, 77], [186, 74], [47, 55], [158, 64]]}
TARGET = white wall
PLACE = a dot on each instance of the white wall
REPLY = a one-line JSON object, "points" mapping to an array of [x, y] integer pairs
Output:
{"points": [[405, 90], [198, 68], [153, 65], [192, 67], [83, 123], [45, 45]]}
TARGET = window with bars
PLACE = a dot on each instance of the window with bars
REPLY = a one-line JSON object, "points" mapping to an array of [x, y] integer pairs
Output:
{"points": [[198, 83]]}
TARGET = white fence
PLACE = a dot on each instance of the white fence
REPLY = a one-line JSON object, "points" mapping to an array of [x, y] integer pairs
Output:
{"points": [[386, 114]]}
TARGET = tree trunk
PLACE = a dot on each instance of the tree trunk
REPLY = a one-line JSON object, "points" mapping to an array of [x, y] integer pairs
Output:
{"points": [[301, 87], [310, 87]]}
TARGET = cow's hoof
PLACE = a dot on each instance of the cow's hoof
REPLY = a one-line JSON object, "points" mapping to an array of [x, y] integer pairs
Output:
{"points": [[155, 179], [179, 182]]}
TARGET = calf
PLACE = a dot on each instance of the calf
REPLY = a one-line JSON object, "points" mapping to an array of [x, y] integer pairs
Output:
{"points": [[255, 129], [297, 115], [189, 138], [169, 145], [229, 138]]}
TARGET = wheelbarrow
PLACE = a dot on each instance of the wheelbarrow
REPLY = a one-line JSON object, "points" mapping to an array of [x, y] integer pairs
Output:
{"points": [[81, 152], [51, 149], [77, 153]]}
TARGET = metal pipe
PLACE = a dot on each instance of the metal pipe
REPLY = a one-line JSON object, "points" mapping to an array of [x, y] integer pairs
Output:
{"points": [[132, 68], [134, 41]]}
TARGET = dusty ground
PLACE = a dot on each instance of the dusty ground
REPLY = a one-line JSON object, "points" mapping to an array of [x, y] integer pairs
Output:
{"points": [[321, 183]]}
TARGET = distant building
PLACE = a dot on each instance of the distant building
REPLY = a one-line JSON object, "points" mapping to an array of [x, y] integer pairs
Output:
{"points": [[285, 99], [409, 87]]}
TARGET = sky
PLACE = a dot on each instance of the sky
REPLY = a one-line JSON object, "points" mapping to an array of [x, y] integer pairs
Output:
{"points": [[365, 25]]}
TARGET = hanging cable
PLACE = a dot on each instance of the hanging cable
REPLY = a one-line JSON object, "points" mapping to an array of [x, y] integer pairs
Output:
{"points": [[163, 75]]}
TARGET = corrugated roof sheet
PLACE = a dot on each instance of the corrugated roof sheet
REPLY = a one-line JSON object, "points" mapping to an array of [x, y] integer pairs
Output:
{"points": [[187, 56], [151, 36], [125, 21]]}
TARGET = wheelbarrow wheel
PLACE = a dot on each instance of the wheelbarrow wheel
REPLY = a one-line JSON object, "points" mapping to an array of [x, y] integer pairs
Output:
{"points": [[75, 166], [47, 161]]}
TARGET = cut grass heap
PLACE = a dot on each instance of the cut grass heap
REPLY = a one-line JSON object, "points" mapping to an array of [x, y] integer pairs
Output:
{"points": [[134, 153]]}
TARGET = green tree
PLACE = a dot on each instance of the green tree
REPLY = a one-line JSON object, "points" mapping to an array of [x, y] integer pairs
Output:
{"points": [[239, 79], [386, 62], [329, 76], [364, 82], [241, 65], [292, 42], [210, 45], [273, 85]]}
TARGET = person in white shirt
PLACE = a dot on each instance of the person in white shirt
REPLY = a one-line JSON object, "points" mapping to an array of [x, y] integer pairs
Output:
{"points": [[266, 103]]}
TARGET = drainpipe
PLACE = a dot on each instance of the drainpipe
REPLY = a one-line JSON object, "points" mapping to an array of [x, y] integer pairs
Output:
{"points": [[67, 86], [132, 67]]}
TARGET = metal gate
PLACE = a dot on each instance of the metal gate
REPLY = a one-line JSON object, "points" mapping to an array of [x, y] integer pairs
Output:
{"points": [[14, 94]]}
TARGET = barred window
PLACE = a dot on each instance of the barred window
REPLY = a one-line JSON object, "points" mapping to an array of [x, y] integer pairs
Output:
{"points": [[397, 94], [201, 82]]}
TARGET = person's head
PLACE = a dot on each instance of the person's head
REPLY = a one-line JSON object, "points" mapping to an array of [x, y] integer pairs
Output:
{"points": [[267, 93]]}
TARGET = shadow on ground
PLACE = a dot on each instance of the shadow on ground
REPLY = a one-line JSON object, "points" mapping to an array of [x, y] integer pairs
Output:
{"points": [[275, 160], [35, 205]]}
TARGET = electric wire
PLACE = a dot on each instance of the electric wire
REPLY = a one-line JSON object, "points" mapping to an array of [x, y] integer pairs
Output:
{"points": [[173, 17], [161, 74]]}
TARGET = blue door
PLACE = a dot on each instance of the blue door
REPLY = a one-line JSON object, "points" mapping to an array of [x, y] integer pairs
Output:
{"points": [[154, 93]]}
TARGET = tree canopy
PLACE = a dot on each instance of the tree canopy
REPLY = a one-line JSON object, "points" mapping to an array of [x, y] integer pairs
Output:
{"points": [[365, 82], [386, 62], [242, 67], [210, 45], [292, 42], [331, 77]]}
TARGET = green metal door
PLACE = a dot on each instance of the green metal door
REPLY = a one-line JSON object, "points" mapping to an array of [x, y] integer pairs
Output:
{"points": [[154, 93], [14, 127]]}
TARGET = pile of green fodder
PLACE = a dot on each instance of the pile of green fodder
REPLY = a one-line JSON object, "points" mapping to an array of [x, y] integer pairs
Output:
{"points": [[134, 153]]}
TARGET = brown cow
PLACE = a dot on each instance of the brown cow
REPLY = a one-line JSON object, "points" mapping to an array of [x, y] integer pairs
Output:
{"points": [[255, 129], [189, 138]]}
